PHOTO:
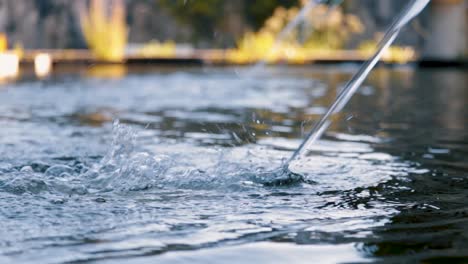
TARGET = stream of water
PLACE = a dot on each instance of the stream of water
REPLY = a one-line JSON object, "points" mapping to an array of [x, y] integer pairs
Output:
{"points": [[412, 9]]}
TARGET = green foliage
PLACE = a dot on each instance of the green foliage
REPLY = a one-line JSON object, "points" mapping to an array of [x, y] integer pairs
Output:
{"points": [[259, 10], [202, 15], [207, 16]]}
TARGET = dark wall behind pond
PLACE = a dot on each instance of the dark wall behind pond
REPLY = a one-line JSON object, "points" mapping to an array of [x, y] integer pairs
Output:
{"points": [[217, 23]]}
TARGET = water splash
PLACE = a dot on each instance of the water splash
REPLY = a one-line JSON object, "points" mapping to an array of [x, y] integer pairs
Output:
{"points": [[126, 167]]}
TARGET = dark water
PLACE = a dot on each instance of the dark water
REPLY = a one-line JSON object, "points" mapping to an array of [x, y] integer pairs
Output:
{"points": [[183, 177]]}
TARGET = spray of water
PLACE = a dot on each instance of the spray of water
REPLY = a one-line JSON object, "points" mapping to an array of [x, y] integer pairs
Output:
{"points": [[413, 8]]}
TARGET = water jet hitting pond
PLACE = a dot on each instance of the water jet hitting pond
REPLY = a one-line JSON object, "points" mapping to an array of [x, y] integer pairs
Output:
{"points": [[173, 184], [412, 9]]}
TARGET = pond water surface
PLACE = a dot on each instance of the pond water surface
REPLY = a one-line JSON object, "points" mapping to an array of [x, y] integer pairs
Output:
{"points": [[180, 177]]}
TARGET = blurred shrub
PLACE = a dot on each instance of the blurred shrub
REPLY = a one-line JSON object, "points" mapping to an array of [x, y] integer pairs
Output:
{"points": [[105, 30], [330, 27], [3, 42], [207, 17], [324, 28], [202, 15], [157, 49]]}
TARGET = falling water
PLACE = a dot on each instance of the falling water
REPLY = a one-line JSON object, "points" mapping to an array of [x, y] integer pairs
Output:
{"points": [[409, 12]]}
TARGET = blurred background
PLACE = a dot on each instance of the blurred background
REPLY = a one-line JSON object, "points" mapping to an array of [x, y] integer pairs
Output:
{"points": [[221, 31]]}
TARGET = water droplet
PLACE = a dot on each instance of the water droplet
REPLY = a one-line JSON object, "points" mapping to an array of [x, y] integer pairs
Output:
{"points": [[27, 169], [58, 170]]}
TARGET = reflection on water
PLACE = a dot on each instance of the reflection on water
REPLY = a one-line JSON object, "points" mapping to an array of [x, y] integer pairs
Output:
{"points": [[182, 177], [111, 71]]}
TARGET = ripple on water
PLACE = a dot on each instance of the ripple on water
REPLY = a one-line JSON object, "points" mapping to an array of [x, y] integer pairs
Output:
{"points": [[126, 167], [70, 190], [137, 202]]}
